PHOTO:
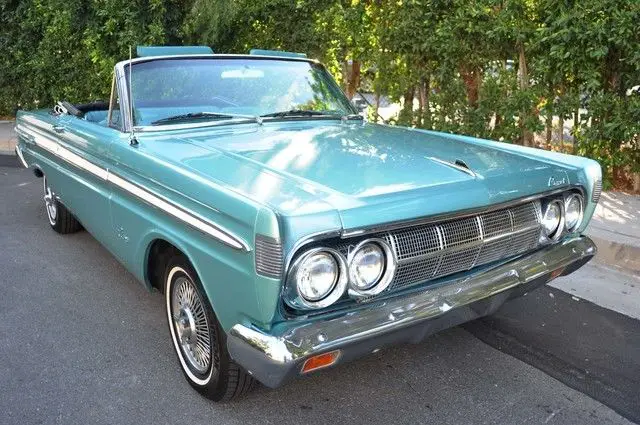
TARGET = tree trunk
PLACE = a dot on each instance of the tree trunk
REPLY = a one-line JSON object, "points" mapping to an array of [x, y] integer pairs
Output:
{"points": [[523, 82], [426, 113], [420, 102], [406, 114], [549, 117], [353, 78], [376, 113], [612, 71], [561, 123], [549, 128], [576, 127], [471, 76]]}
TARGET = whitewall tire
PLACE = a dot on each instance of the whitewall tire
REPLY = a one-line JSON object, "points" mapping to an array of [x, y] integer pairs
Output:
{"points": [[197, 337]]}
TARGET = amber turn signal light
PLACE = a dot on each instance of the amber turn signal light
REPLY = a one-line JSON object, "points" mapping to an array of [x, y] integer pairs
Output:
{"points": [[320, 361], [556, 273]]}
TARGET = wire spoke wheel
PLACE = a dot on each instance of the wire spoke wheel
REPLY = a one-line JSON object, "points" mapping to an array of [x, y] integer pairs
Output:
{"points": [[191, 325], [196, 335]]}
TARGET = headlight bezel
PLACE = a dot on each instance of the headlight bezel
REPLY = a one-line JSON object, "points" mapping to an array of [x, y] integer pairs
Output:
{"points": [[294, 297], [559, 229], [567, 199], [388, 272]]}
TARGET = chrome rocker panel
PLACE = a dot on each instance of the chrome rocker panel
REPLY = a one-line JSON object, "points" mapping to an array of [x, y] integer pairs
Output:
{"points": [[276, 357]]}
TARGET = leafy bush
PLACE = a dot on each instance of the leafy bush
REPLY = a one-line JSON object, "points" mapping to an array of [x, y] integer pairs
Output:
{"points": [[512, 70]]}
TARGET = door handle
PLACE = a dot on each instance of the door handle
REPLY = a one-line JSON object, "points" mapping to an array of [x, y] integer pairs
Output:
{"points": [[58, 129]]}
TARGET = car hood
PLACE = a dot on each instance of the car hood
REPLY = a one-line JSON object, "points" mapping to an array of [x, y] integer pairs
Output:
{"points": [[370, 174]]}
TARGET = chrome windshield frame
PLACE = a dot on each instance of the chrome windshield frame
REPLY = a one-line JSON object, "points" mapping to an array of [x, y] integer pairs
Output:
{"points": [[123, 92]]}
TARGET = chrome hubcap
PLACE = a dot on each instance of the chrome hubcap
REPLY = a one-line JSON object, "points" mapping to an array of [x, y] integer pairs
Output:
{"points": [[50, 203], [191, 325]]}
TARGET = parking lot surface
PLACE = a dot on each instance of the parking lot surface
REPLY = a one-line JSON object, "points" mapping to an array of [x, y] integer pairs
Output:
{"points": [[81, 341]]}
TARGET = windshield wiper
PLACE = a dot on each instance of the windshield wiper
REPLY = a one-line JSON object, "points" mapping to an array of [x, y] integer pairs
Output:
{"points": [[301, 113], [199, 115]]}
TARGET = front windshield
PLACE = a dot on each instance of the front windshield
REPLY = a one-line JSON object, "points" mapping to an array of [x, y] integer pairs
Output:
{"points": [[234, 86]]}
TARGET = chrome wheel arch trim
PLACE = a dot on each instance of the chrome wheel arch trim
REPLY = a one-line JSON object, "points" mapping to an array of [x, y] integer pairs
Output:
{"points": [[189, 217], [168, 291]]}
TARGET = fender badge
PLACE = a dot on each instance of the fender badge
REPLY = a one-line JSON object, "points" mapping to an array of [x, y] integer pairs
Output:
{"points": [[554, 181]]}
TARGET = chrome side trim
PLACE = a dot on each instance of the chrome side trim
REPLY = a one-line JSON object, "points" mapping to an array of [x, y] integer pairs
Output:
{"points": [[278, 355], [189, 217], [19, 153]]}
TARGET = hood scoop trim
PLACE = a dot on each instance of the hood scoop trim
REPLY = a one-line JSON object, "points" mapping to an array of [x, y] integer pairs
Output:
{"points": [[459, 165]]}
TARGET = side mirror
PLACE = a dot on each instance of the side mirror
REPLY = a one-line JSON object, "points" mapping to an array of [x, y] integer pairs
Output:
{"points": [[360, 104]]}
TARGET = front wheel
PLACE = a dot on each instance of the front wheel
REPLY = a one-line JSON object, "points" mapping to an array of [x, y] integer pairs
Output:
{"points": [[197, 337], [60, 218]]}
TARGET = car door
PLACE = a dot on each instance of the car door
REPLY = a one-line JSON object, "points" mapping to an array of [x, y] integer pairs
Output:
{"points": [[87, 195]]}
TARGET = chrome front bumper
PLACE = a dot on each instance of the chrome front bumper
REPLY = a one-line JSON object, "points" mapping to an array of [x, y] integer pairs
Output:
{"points": [[274, 357]]}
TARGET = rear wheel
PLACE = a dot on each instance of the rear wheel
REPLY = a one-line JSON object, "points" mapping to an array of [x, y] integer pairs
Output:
{"points": [[197, 337], [60, 218]]}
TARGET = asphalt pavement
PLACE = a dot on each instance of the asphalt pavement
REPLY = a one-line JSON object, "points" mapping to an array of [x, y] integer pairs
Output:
{"points": [[81, 341]]}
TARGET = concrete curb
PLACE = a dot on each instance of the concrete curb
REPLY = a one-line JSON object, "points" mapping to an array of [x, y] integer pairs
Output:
{"points": [[622, 256]]}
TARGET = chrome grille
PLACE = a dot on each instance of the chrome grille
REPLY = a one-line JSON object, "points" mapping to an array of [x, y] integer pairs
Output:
{"points": [[430, 251], [268, 256], [411, 243]]}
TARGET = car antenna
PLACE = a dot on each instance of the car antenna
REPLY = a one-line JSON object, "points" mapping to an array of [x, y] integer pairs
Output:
{"points": [[132, 137]]}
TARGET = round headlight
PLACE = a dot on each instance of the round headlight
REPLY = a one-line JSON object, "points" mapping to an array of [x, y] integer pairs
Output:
{"points": [[552, 219], [573, 212], [372, 265], [366, 266], [317, 279], [316, 276]]}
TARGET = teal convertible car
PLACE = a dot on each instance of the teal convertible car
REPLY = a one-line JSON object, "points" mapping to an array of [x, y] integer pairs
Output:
{"points": [[288, 234]]}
